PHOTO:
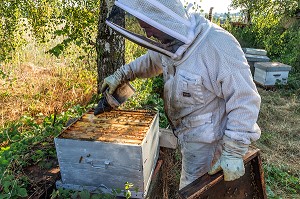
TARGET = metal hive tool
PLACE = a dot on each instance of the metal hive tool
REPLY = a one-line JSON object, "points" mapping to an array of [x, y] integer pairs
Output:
{"points": [[117, 126]]}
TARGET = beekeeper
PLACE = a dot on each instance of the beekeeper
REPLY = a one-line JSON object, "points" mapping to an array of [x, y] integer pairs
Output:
{"points": [[209, 96]]}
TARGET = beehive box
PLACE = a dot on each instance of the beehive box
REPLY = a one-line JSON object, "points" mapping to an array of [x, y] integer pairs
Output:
{"points": [[255, 51], [249, 186], [270, 73], [252, 59], [101, 153]]}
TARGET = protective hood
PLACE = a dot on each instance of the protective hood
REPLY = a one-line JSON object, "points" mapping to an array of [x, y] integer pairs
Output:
{"points": [[168, 16]]}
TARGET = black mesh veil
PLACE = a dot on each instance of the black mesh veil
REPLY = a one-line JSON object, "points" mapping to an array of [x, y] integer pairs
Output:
{"points": [[127, 25]]}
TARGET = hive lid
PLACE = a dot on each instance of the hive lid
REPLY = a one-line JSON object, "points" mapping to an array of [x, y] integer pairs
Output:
{"points": [[254, 51], [257, 58], [272, 66], [118, 126]]}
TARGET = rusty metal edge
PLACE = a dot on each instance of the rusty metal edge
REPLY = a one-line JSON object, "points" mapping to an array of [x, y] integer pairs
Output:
{"points": [[156, 170], [154, 180]]}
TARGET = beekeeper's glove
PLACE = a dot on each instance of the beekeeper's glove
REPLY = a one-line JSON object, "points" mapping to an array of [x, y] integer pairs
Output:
{"points": [[231, 160], [112, 82]]}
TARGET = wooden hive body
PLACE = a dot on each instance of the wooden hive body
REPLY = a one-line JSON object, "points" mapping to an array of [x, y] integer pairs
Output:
{"points": [[253, 58], [103, 152], [270, 73], [250, 186]]}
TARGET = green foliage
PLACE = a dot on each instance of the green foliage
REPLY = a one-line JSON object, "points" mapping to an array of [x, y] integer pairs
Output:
{"points": [[273, 27], [12, 188], [77, 24], [27, 143], [149, 91], [11, 33], [290, 51], [147, 97], [280, 177], [255, 8], [294, 82], [42, 18], [3, 75], [45, 20]]}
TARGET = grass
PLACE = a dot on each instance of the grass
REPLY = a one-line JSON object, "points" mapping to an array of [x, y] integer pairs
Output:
{"points": [[39, 93], [279, 120], [39, 84]]}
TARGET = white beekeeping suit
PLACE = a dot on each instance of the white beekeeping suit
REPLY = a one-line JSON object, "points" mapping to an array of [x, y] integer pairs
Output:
{"points": [[209, 95]]}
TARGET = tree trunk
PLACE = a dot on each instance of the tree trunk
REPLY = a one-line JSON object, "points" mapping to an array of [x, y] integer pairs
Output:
{"points": [[248, 18], [110, 46]]}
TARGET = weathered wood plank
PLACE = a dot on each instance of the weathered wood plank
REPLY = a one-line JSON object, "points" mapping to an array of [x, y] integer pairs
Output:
{"points": [[98, 189], [113, 177], [88, 162], [155, 189], [150, 151], [251, 185], [167, 139]]}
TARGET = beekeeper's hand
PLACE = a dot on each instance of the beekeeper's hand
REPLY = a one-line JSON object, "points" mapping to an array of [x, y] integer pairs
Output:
{"points": [[112, 82], [231, 160]]}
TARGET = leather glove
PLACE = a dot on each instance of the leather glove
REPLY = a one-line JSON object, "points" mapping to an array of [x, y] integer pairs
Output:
{"points": [[112, 82], [231, 160]]}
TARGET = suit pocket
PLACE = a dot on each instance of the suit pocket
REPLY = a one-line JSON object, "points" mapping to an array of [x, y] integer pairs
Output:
{"points": [[188, 89], [199, 129]]}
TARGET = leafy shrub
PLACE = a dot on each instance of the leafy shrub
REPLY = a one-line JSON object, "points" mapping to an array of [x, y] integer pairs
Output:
{"points": [[25, 142], [267, 32]]}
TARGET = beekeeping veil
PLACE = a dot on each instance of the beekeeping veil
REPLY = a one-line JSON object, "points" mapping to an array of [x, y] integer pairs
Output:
{"points": [[168, 16]]}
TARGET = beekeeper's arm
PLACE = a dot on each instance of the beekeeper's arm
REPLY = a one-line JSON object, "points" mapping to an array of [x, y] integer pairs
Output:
{"points": [[242, 108], [148, 65]]}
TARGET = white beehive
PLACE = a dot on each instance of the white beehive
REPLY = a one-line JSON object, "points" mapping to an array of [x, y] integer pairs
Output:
{"points": [[103, 152], [252, 59], [254, 51], [270, 73]]}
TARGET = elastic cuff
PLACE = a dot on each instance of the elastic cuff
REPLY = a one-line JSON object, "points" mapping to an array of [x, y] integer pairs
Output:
{"points": [[234, 147], [243, 137], [119, 75], [125, 73], [233, 142]]}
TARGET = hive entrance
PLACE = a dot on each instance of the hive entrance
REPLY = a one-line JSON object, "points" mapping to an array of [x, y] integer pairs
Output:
{"points": [[117, 126]]}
